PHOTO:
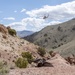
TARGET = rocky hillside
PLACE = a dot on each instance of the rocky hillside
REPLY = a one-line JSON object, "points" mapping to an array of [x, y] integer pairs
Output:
{"points": [[11, 47], [56, 37], [60, 67]]}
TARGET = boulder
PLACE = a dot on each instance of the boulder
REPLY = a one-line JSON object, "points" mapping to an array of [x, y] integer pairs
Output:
{"points": [[42, 63]]}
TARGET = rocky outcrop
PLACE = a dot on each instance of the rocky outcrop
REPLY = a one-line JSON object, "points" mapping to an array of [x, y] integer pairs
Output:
{"points": [[3, 29]]}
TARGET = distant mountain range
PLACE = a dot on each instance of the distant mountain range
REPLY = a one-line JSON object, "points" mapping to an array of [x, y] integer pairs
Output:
{"points": [[59, 37], [24, 33]]}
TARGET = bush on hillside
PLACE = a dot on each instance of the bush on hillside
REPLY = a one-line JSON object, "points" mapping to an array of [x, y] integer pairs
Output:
{"points": [[41, 51], [3, 69], [28, 56], [45, 35], [52, 53], [21, 63], [12, 32]]}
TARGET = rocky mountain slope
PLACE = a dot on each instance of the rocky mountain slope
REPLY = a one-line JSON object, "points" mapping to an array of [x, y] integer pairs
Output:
{"points": [[11, 47], [56, 37]]}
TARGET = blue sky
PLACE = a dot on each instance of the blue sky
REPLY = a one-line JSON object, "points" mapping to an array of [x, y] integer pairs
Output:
{"points": [[28, 14]]}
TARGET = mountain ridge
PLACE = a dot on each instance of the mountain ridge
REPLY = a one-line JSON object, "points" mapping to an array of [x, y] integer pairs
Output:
{"points": [[55, 36], [24, 33]]}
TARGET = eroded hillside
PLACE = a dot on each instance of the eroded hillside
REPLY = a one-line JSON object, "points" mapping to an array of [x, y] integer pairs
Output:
{"points": [[11, 47]]}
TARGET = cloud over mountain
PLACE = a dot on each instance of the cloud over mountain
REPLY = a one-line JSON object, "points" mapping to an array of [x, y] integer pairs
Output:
{"points": [[9, 18], [58, 12], [55, 14]]}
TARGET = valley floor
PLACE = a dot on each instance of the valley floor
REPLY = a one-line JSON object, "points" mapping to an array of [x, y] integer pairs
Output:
{"points": [[60, 70], [60, 67]]}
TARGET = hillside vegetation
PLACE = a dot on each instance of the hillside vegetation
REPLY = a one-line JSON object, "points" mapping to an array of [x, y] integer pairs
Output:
{"points": [[12, 47]]}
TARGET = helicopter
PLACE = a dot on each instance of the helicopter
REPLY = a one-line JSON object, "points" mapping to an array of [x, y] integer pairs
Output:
{"points": [[46, 16]]}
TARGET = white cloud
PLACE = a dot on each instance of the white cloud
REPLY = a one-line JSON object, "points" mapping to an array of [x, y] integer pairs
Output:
{"points": [[23, 10], [58, 12], [53, 23], [17, 26], [34, 23], [9, 18], [55, 14]]}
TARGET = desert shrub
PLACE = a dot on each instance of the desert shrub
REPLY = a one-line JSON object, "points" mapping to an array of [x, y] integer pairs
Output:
{"points": [[1, 65], [46, 40], [73, 27], [21, 63], [45, 35], [28, 56], [54, 47], [4, 36], [5, 62], [52, 53], [59, 45], [3, 69], [41, 51], [59, 28], [12, 32], [55, 41]]}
